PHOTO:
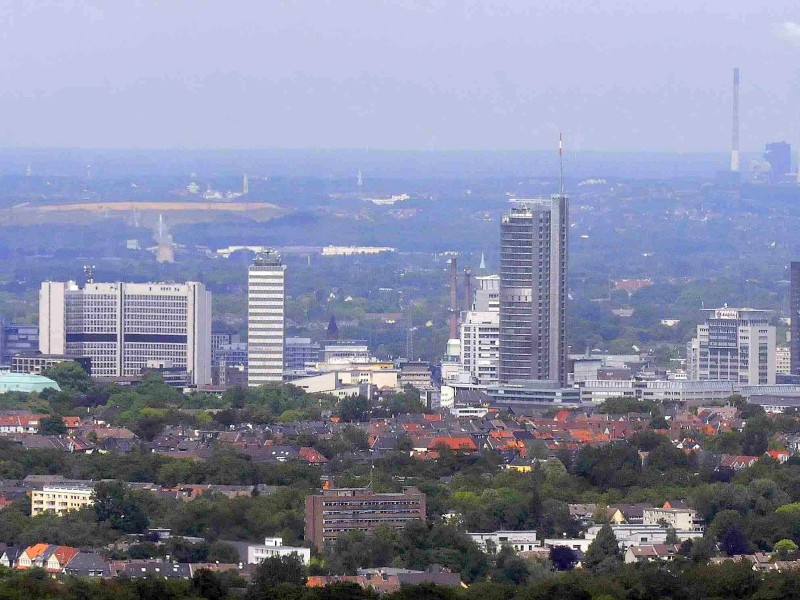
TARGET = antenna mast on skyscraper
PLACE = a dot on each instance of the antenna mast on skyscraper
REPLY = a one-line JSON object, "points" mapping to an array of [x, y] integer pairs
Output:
{"points": [[560, 165]]}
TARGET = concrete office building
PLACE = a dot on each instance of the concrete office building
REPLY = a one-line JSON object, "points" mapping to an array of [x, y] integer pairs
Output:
{"points": [[533, 291], [17, 338], [339, 510], [480, 352], [300, 354], [125, 327], [265, 319], [734, 344], [36, 363]]}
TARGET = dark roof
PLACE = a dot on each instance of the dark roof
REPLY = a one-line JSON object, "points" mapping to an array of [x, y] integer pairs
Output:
{"points": [[84, 563]]}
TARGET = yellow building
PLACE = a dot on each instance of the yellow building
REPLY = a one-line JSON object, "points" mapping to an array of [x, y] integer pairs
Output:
{"points": [[60, 499]]}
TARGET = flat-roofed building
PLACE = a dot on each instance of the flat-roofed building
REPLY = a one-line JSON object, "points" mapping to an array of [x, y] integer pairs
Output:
{"points": [[60, 499], [265, 319], [734, 344], [341, 510], [122, 327]]}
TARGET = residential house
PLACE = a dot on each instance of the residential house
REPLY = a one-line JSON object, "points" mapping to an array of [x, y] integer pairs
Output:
{"points": [[60, 558], [87, 564], [651, 552], [29, 555]]}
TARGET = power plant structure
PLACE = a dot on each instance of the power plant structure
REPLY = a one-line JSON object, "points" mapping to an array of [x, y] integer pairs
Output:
{"points": [[165, 249], [735, 132]]}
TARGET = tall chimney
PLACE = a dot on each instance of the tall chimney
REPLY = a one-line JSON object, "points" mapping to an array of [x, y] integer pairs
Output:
{"points": [[453, 316], [467, 289], [735, 135]]}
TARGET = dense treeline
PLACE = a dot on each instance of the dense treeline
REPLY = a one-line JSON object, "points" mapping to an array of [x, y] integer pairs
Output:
{"points": [[284, 580]]}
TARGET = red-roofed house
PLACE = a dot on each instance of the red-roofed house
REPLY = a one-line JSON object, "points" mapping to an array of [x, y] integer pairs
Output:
{"points": [[457, 444]]}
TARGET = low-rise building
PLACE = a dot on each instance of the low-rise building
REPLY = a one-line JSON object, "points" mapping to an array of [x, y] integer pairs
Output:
{"points": [[60, 499], [683, 519], [273, 546], [638, 553], [517, 540]]}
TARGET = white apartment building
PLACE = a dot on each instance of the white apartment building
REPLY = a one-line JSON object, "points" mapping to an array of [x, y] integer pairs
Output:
{"points": [[123, 327], [60, 499], [734, 344], [480, 339], [265, 319], [680, 519]]}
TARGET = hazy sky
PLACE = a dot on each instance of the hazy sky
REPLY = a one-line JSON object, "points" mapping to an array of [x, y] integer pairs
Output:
{"points": [[494, 74]]}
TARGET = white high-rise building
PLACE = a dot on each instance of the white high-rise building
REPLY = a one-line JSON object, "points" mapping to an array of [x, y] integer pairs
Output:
{"points": [[480, 338], [734, 344], [265, 319], [124, 327]]}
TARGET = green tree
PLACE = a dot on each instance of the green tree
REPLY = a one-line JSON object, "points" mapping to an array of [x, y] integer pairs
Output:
{"points": [[52, 425], [785, 549], [70, 377], [115, 505], [603, 554], [274, 571]]}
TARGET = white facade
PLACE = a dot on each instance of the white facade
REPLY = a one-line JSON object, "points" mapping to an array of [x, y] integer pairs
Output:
{"points": [[681, 519], [480, 339], [634, 535], [520, 541], [265, 319], [124, 326], [273, 546], [734, 344], [783, 360]]}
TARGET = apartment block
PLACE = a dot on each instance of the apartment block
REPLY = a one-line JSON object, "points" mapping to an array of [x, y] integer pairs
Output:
{"points": [[340, 510], [60, 499]]}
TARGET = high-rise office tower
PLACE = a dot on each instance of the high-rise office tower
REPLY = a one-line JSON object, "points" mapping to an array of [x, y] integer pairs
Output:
{"points": [[533, 291], [734, 344], [265, 319], [794, 315], [125, 328]]}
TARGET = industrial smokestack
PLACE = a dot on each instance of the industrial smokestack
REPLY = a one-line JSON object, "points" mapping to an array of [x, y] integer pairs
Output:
{"points": [[735, 135], [467, 289], [453, 316]]}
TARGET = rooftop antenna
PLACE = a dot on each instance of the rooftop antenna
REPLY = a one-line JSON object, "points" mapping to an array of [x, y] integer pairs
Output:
{"points": [[88, 271], [560, 165]]}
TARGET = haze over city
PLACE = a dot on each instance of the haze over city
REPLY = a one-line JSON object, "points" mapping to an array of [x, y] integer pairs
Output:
{"points": [[399, 300], [613, 75]]}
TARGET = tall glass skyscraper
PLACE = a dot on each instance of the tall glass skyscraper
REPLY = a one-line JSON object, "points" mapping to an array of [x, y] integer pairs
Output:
{"points": [[533, 291]]}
